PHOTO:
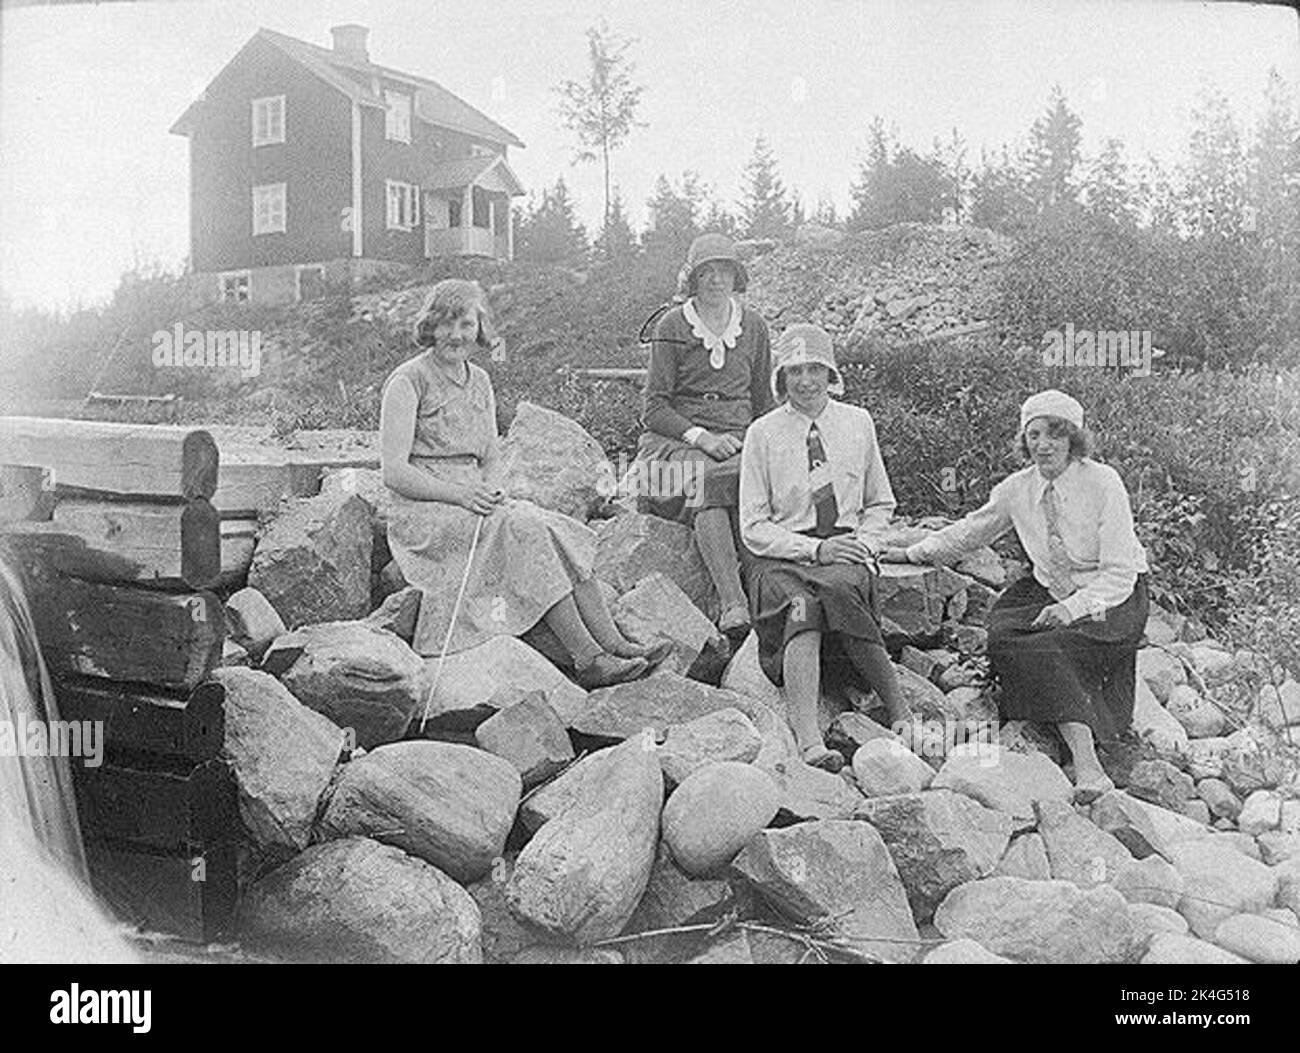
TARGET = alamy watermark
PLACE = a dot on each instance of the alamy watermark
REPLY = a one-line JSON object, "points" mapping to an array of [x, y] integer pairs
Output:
{"points": [[656, 478], [209, 349], [53, 738], [1106, 348], [940, 738]]}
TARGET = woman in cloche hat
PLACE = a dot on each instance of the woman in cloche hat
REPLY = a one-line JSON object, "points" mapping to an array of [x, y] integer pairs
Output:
{"points": [[709, 363], [1062, 641]]}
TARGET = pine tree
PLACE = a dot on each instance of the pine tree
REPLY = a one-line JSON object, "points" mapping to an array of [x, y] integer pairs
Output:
{"points": [[1054, 154], [674, 214], [1108, 193], [896, 185], [765, 210], [1000, 194], [549, 232], [617, 241], [1215, 195]]}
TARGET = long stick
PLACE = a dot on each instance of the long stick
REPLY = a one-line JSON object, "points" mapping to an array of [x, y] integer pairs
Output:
{"points": [[455, 611]]}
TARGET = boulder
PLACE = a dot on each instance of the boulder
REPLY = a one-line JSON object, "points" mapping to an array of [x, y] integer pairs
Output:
{"points": [[548, 954], [360, 676], [1261, 811], [1045, 922], [399, 613], [850, 731], [1279, 706], [726, 735], [498, 672], [632, 546], [530, 736], [938, 840], [1006, 782], [924, 699], [1201, 719], [912, 599], [583, 873], [367, 484], [837, 874], [1278, 847], [313, 560], [1218, 881], [1218, 795], [884, 767], [252, 622], [448, 804], [1154, 724], [1141, 827], [1027, 736], [746, 677], [1170, 948], [1077, 850], [1161, 783], [657, 701], [715, 812], [356, 900], [1205, 757], [552, 461], [672, 897], [963, 952], [657, 606], [815, 237], [283, 755], [1025, 857], [1259, 939], [502, 935], [1288, 884], [1161, 671], [1252, 762], [810, 793], [1149, 880], [1152, 919]]}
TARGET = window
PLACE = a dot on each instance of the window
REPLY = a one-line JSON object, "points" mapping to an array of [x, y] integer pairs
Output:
{"points": [[477, 150], [234, 286], [309, 281], [397, 116], [269, 209], [268, 120], [403, 205], [453, 212]]}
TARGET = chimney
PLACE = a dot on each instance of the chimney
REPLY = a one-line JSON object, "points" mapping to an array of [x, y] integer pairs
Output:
{"points": [[350, 41]]}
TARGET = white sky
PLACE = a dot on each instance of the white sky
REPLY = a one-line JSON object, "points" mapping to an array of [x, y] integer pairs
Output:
{"points": [[91, 181]]}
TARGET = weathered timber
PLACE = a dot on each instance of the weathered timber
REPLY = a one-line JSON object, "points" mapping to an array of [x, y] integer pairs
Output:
{"points": [[238, 540], [119, 632], [138, 459], [160, 811], [26, 494], [254, 481], [191, 727]]}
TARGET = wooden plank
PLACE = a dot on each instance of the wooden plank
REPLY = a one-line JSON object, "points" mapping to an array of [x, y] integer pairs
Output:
{"points": [[152, 544], [26, 494], [157, 810], [238, 541], [258, 482], [191, 727], [138, 459], [191, 895], [119, 632]]}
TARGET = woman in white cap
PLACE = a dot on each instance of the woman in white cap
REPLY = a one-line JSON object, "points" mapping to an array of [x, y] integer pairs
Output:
{"points": [[709, 366], [441, 457], [814, 498], [1062, 641]]}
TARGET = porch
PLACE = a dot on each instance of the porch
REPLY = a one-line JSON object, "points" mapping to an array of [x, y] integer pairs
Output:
{"points": [[466, 209]]}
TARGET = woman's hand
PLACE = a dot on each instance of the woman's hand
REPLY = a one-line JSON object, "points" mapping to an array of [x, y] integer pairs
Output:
{"points": [[719, 447], [893, 555], [481, 499], [1051, 616], [845, 548]]}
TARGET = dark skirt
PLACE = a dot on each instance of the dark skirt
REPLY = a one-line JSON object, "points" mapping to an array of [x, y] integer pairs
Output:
{"points": [[1085, 672], [838, 600], [676, 480]]}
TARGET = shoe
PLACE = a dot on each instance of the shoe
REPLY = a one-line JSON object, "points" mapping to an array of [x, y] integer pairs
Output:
{"points": [[733, 620], [606, 669], [818, 756], [1089, 791]]}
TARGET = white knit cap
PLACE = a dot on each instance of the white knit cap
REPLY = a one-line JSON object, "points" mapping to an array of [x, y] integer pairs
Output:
{"points": [[1051, 403], [800, 345]]}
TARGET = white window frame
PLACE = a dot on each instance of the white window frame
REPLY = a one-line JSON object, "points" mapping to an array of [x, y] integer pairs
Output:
{"points": [[479, 150], [297, 277], [224, 278], [270, 208], [397, 116], [401, 205], [268, 120]]}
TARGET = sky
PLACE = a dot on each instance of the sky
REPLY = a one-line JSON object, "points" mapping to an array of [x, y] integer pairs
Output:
{"points": [[92, 183]]}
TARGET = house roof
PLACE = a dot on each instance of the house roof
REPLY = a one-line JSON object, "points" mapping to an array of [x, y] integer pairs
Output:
{"points": [[434, 104], [490, 173]]}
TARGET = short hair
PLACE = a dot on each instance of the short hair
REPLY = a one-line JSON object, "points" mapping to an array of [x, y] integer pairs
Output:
{"points": [[448, 300], [738, 283], [1057, 427]]}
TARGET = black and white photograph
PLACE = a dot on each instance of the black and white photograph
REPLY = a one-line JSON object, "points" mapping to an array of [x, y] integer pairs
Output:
{"points": [[613, 483]]}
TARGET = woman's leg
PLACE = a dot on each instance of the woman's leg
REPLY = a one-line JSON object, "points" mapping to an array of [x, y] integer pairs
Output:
{"points": [[801, 667], [872, 661], [601, 625], [1087, 768], [594, 667], [718, 550]]}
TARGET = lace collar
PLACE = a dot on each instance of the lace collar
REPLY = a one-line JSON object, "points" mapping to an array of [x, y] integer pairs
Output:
{"points": [[717, 344]]}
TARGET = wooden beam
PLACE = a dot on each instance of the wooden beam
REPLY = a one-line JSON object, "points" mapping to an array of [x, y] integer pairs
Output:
{"points": [[141, 636], [238, 541], [192, 727], [253, 481], [137, 459], [26, 494]]}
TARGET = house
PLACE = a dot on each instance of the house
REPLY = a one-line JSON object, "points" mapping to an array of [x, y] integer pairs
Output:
{"points": [[310, 164]]}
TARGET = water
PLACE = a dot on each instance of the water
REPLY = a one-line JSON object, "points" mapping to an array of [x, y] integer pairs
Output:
{"points": [[47, 912]]}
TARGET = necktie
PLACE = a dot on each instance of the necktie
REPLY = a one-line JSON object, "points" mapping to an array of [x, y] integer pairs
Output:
{"points": [[823, 493], [1058, 561]]}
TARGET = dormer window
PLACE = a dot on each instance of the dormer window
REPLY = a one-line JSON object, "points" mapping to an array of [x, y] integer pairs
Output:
{"points": [[397, 116], [268, 120]]}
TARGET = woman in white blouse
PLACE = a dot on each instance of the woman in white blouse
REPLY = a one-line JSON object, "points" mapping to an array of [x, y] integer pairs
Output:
{"points": [[814, 498], [1062, 641]]}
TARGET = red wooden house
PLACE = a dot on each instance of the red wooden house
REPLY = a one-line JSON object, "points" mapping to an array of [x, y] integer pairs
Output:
{"points": [[308, 163]]}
